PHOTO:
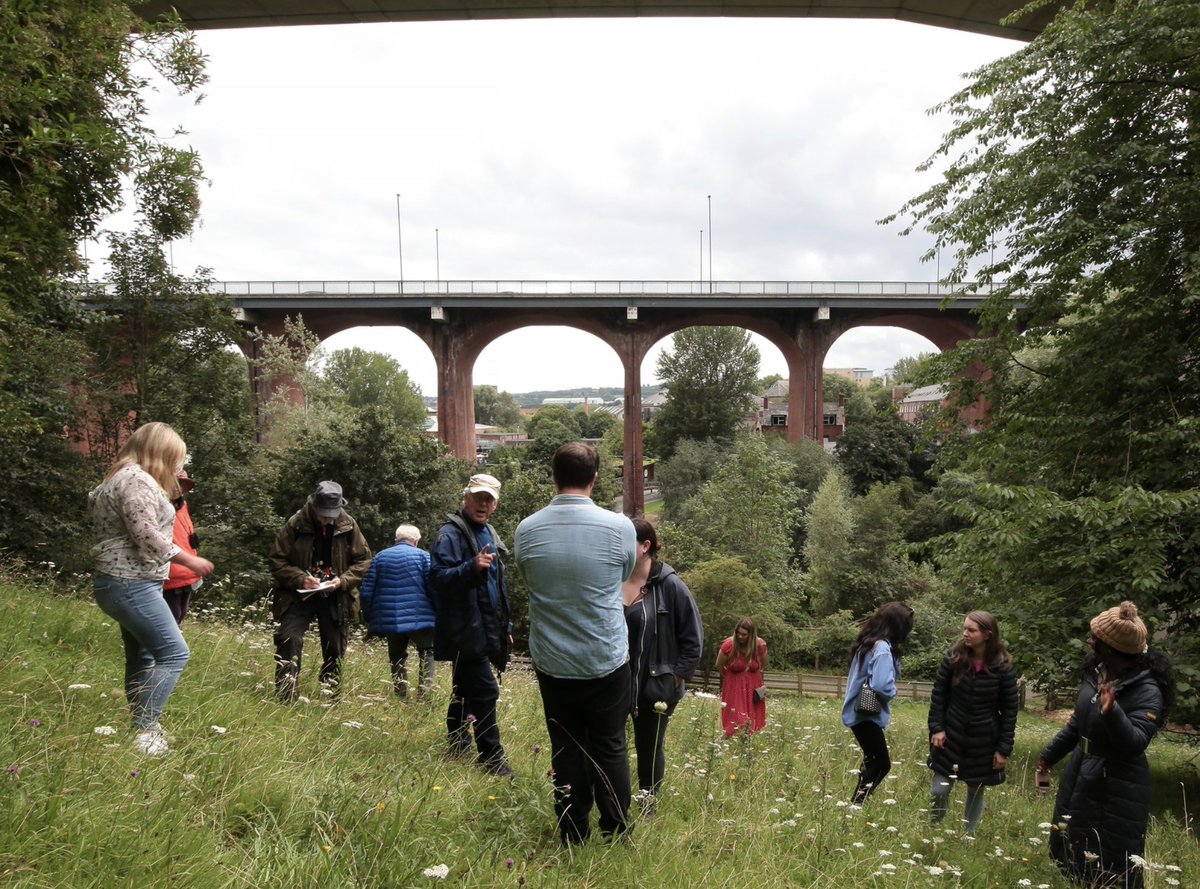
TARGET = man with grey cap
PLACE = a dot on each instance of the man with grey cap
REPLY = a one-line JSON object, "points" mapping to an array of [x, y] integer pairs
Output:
{"points": [[319, 559], [472, 628]]}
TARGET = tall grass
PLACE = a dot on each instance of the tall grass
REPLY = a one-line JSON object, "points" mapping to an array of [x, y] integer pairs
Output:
{"points": [[355, 792]]}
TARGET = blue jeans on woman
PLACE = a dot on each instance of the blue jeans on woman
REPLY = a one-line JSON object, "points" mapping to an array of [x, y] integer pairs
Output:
{"points": [[155, 653]]}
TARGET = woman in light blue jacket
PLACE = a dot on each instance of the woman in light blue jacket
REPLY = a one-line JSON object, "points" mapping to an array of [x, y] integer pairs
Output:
{"points": [[875, 665]]}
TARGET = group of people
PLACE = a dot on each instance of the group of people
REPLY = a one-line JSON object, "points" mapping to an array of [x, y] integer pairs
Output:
{"points": [[1102, 808], [614, 634]]}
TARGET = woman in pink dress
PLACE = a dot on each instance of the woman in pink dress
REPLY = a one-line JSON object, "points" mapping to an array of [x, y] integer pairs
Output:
{"points": [[741, 661]]}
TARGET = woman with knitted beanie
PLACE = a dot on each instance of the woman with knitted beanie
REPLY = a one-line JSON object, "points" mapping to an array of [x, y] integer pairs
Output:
{"points": [[1103, 806]]}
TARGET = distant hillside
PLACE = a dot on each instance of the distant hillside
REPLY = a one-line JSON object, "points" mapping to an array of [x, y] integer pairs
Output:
{"points": [[535, 399], [604, 393]]}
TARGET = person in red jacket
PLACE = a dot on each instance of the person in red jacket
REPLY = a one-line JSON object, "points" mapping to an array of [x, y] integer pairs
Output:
{"points": [[183, 581]]}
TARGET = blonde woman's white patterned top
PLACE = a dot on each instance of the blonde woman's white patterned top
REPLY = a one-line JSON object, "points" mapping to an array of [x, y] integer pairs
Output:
{"points": [[132, 519]]}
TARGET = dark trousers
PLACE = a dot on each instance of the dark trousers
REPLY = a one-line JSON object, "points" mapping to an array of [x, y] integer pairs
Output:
{"points": [[178, 600], [397, 644], [876, 761], [649, 737], [289, 642], [473, 706], [586, 722]]}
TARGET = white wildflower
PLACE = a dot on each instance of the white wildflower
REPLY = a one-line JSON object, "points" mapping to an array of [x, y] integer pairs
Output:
{"points": [[78, 686], [106, 731], [437, 872], [351, 723], [218, 729]]}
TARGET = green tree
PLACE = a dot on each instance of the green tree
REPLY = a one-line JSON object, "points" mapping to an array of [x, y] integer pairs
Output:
{"points": [[389, 474], [725, 591], [595, 423], [681, 476], [550, 428], [711, 376], [830, 526], [748, 509], [287, 380], [1072, 173], [878, 449], [496, 408], [915, 370], [363, 379], [73, 83]]}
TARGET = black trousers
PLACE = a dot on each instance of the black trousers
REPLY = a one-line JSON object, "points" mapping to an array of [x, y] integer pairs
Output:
{"points": [[397, 644], [876, 761], [585, 719], [649, 737], [289, 642], [473, 706]]}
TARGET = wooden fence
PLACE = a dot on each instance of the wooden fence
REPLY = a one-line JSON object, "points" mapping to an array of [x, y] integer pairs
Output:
{"points": [[817, 685]]}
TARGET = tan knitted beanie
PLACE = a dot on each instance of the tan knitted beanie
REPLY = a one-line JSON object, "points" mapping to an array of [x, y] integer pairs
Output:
{"points": [[1121, 628]]}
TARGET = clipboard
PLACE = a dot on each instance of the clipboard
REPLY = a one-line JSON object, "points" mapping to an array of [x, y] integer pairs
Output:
{"points": [[319, 588]]}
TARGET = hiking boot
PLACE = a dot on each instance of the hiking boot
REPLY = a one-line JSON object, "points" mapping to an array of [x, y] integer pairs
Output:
{"points": [[498, 768]]}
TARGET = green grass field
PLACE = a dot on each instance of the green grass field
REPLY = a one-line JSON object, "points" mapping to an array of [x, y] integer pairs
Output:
{"points": [[355, 793]]}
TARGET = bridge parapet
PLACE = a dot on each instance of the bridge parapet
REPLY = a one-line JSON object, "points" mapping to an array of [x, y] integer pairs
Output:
{"points": [[601, 288]]}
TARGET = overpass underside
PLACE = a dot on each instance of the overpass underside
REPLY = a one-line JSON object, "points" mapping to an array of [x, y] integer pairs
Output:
{"points": [[978, 16]]}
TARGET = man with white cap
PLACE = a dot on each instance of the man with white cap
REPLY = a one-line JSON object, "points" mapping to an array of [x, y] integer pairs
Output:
{"points": [[472, 628], [319, 559]]}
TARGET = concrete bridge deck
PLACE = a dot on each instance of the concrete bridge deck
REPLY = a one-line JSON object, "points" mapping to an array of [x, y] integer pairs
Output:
{"points": [[979, 16]]}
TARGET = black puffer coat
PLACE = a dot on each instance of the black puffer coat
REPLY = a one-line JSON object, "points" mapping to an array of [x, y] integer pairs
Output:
{"points": [[1103, 804], [979, 717]]}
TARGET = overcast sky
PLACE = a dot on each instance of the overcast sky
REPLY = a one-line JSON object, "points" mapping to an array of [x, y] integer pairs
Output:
{"points": [[570, 149]]}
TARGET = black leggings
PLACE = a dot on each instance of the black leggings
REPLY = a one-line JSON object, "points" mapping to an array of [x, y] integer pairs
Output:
{"points": [[876, 762]]}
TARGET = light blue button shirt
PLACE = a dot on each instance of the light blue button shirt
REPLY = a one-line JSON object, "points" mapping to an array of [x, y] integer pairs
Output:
{"points": [[574, 557], [879, 669]]}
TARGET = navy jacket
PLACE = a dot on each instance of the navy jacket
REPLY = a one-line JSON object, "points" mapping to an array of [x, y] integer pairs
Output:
{"points": [[467, 625]]}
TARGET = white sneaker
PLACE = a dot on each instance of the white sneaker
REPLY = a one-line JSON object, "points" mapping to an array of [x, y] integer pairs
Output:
{"points": [[151, 742]]}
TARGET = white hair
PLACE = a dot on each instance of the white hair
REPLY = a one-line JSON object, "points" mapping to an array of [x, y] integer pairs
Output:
{"points": [[410, 533]]}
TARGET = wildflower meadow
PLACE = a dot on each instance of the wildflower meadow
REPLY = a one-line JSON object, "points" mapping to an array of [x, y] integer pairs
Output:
{"points": [[356, 792]]}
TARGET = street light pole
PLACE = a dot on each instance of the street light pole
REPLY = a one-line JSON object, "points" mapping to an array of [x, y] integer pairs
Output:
{"points": [[437, 255], [701, 260], [710, 275], [400, 243]]}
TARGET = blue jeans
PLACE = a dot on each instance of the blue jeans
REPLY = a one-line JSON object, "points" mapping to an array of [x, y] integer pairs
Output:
{"points": [[155, 653]]}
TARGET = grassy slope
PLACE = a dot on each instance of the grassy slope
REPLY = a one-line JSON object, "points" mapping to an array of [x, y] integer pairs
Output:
{"points": [[357, 794]]}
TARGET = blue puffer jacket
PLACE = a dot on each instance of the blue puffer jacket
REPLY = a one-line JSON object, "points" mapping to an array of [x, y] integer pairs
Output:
{"points": [[395, 594]]}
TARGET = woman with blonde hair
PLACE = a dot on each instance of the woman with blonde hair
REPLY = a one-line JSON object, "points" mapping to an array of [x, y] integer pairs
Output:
{"points": [[133, 519]]}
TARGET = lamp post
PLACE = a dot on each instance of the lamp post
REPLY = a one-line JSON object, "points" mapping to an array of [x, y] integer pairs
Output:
{"points": [[437, 256], [710, 275], [400, 243], [701, 260]]}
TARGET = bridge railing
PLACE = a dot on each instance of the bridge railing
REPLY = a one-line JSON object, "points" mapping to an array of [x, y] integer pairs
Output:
{"points": [[585, 288]]}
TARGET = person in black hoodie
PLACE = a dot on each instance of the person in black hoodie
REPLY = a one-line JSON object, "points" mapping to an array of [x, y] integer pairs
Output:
{"points": [[1103, 804], [665, 641]]}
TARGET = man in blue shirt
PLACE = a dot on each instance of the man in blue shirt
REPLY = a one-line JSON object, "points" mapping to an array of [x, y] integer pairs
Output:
{"points": [[574, 557], [472, 628]]}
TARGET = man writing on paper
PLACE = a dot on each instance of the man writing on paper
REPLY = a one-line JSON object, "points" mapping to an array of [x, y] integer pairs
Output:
{"points": [[319, 559]]}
